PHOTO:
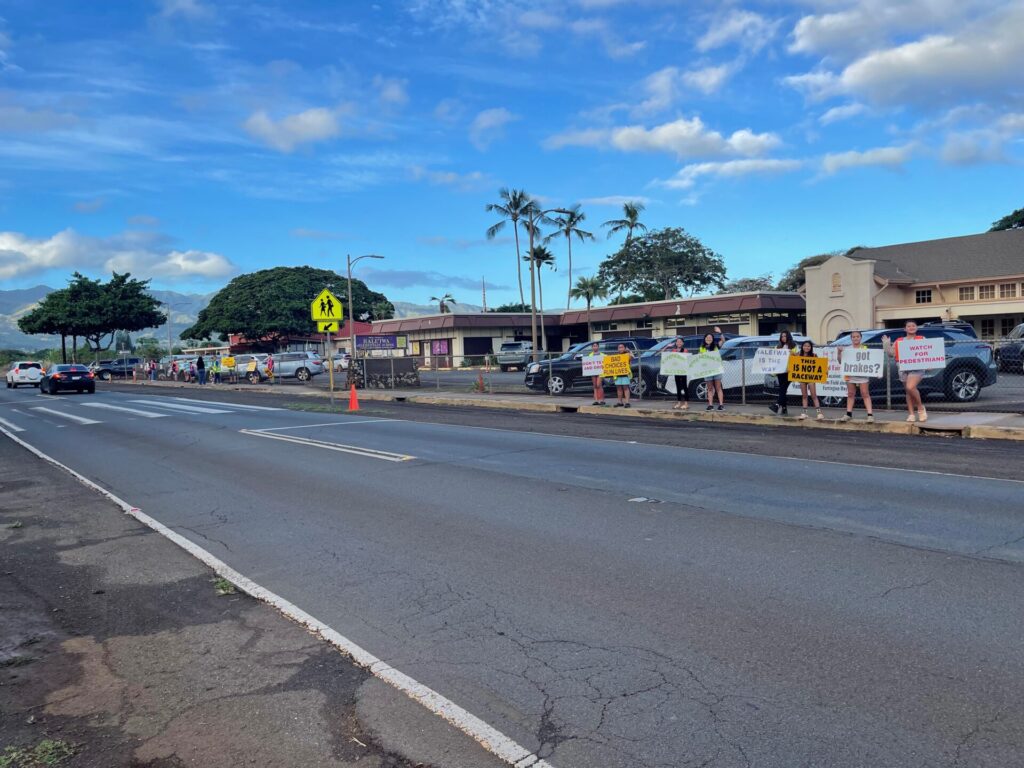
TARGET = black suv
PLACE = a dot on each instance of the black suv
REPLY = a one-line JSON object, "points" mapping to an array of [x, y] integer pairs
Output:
{"points": [[1010, 351], [565, 374], [122, 368]]}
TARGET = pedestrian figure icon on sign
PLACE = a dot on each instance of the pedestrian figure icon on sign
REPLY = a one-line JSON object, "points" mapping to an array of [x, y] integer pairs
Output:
{"points": [[330, 307], [326, 307], [323, 307]]}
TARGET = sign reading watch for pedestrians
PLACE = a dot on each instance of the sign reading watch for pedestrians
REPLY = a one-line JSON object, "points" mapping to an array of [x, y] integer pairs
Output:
{"points": [[325, 307]]}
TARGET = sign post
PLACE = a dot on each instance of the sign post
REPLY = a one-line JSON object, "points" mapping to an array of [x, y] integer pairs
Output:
{"points": [[325, 309]]}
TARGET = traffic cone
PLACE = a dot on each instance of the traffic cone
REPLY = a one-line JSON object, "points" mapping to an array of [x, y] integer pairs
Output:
{"points": [[353, 399]]}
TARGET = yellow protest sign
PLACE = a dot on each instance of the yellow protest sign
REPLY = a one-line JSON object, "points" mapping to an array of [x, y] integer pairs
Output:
{"points": [[615, 365], [808, 370], [325, 306], [227, 362]]}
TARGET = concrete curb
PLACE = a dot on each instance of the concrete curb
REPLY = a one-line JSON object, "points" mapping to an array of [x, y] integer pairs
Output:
{"points": [[983, 432]]}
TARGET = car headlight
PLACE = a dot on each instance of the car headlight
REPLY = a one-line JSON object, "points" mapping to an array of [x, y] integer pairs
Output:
{"points": [[534, 368]]}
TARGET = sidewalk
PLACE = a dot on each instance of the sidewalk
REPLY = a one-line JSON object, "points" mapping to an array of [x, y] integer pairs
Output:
{"points": [[967, 424], [120, 650]]}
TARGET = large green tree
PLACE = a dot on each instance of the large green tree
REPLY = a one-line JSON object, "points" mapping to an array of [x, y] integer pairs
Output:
{"points": [[268, 305], [1013, 220], [52, 317], [793, 278], [662, 264], [748, 284]]}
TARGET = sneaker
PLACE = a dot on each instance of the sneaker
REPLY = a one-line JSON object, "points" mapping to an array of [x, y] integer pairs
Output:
{"points": [[820, 416], [870, 419], [721, 407], [710, 408], [677, 406], [618, 405], [627, 405], [847, 417], [785, 411], [803, 415], [774, 408], [911, 418], [922, 414], [595, 403]]}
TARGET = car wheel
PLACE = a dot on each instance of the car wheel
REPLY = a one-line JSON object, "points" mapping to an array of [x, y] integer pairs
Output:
{"points": [[557, 385], [639, 387], [302, 374], [699, 391], [53, 389], [9, 385], [105, 375], [254, 378], [963, 385]]}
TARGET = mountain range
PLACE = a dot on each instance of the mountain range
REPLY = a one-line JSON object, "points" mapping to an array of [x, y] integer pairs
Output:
{"points": [[185, 309]]}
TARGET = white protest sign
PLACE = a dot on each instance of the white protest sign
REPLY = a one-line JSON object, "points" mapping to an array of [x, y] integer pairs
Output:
{"points": [[862, 363], [769, 361], [920, 354], [675, 364], [593, 365], [705, 364]]}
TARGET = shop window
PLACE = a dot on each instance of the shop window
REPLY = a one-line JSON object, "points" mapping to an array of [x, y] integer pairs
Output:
{"points": [[988, 328], [923, 297], [606, 326], [1008, 291], [417, 348], [986, 292], [644, 323], [1006, 325], [967, 293]]}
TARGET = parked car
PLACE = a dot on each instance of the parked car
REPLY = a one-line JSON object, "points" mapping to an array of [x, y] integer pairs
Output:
{"points": [[27, 372], [651, 380], [299, 365], [564, 374], [68, 376], [242, 367], [1010, 351], [970, 366], [515, 354], [121, 368]]}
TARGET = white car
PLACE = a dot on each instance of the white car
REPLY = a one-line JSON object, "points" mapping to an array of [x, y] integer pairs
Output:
{"points": [[24, 372]]}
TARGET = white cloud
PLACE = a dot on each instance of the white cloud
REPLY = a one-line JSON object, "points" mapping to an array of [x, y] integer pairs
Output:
{"points": [[489, 126], [187, 9], [449, 110], [539, 19], [886, 157], [844, 112], [687, 176], [614, 46], [391, 90], [144, 254], [664, 87], [708, 79], [615, 200], [983, 145], [89, 206], [286, 134], [750, 30], [462, 181], [18, 119]]}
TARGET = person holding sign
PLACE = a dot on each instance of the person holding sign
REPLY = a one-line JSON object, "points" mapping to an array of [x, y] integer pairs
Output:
{"points": [[854, 383], [779, 406], [807, 350], [622, 382], [910, 379], [682, 394], [597, 381], [714, 383]]}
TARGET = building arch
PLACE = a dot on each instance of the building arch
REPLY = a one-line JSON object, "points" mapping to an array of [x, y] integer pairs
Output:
{"points": [[834, 323]]}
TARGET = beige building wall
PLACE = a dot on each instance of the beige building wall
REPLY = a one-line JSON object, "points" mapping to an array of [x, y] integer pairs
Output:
{"points": [[840, 295]]}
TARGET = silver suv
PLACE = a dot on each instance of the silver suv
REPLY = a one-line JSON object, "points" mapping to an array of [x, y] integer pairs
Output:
{"points": [[300, 365], [515, 354]]}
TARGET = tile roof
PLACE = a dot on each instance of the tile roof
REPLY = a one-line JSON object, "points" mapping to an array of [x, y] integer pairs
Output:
{"points": [[992, 254]]}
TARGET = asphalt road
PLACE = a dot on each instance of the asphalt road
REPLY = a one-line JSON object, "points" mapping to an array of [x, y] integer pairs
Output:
{"points": [[666, 597]]}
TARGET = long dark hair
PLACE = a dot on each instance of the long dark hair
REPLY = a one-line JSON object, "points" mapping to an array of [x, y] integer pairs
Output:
{"points": [[789, 344], [713, 346], [802, 352]]}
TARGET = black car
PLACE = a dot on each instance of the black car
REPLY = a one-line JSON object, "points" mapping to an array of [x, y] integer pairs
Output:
{"points": [[565, 374], [1010, 351], [121, 368], [68, 376]]}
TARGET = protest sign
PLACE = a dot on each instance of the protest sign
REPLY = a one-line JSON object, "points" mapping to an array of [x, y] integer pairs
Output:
{"points": [[705, 364], [920, 354], [862, 363], [808, 370], [593, 365], [769, 361], [675, 364], [615, 365]]}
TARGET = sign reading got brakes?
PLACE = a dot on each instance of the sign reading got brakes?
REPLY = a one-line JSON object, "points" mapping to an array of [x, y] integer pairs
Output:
{"points": [[808, 370]]}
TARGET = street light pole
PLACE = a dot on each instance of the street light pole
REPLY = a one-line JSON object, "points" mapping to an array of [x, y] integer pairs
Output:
{"points": [[351, 314], [531, 225]]}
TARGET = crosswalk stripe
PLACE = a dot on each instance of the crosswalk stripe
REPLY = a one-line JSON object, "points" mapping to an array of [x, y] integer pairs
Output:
{"points": [[144, 414], [63, 415], [229, 405], [12, 427], [179, 407]]}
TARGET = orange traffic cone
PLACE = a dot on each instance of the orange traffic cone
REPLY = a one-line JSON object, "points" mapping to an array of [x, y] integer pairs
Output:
{"points": [[353, 399]]}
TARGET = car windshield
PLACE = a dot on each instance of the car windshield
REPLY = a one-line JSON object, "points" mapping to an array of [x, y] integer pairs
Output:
{"points": [[511, 347]]}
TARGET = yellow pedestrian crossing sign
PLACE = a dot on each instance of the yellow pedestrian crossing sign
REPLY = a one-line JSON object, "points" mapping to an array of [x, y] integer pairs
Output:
{"points": [[326, 307], [327, 326]]}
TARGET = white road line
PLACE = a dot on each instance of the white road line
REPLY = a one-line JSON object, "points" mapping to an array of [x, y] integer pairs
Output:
{"points": [[355, 449], [228, 405], [13, 427], [325, 424], [489, 737], [180, 408], [136, 412], [63, 415]]}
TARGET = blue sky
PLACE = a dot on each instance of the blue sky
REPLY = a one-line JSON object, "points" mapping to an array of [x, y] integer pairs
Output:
{"points": [[191, 140]]}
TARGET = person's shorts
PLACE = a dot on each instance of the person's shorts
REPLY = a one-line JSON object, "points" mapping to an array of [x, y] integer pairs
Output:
{"points": [[924, 374], [716, 377], [622, 381], [856, 380]]}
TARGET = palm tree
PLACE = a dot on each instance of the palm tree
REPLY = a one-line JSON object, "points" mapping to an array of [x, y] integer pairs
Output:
{"points": [[443, 302], [513, 206], [589, 288], [568, 225], [630, 223], [541, 256], [382, 310]]}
